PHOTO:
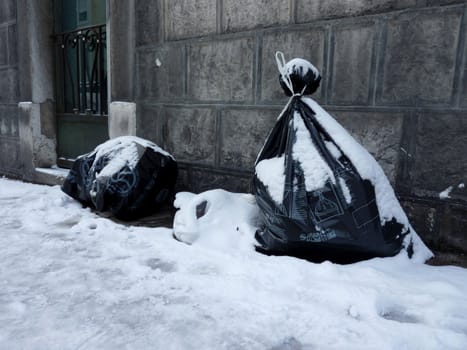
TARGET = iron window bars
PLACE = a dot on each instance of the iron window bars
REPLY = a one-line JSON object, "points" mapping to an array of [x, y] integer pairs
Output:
{"points": [[82, 77]]}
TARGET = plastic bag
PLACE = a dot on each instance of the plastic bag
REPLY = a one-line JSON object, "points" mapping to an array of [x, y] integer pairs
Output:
{"points": [[320, 194], [128, 176]]}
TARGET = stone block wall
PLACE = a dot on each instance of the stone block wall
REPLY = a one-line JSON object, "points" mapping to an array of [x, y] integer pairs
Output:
{"points": [[394, 74], [9, 90]]}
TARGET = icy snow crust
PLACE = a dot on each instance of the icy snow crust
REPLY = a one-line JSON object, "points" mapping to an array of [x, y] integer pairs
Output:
{"points": [[73, 280]]}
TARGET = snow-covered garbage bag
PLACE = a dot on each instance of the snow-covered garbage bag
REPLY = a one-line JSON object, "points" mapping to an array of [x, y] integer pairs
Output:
{"points": [[322, 196], [127, 176]]}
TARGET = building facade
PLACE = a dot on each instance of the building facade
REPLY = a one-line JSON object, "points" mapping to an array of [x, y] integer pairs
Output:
{"points": [[198, 77]]}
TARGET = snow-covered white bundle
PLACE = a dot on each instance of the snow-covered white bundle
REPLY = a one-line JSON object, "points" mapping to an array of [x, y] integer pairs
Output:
{"points": [[216, 219], [321, 194]]}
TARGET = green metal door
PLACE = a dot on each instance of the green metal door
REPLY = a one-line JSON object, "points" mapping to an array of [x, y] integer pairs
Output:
{"points": [[81, 80]]}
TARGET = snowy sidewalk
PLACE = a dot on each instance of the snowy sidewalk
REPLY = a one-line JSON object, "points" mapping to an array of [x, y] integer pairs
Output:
{"points": [[72, 280]]}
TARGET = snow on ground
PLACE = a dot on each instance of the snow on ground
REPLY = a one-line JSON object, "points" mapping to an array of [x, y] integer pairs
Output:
{"points": [[72, 280]]}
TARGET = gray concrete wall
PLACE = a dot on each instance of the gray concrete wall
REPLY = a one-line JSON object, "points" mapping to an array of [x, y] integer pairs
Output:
{"points": [[9, 90], [393, 75], [36, 113], [27, 110]]}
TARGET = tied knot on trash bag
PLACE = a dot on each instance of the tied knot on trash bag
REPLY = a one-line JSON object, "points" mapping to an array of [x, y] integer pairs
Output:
{"points": [[298, 76]]}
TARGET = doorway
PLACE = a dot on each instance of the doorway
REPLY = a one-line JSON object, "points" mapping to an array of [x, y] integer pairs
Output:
{"points": [[81, 77]]}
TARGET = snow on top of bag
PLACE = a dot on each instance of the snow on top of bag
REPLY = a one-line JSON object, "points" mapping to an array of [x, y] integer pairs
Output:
{"points": [[267, 172], [295, 64], [298, 76], [124, 151], [315, 169], [369, 169], [271, 172], [365, 164]]}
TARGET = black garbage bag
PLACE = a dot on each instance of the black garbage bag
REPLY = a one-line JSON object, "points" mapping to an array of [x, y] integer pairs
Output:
{"points": [[127, 176], [320, 194]]}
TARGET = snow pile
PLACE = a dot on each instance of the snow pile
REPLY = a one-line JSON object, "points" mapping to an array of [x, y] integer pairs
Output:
{"points": [[73, 280], [217, 219]]}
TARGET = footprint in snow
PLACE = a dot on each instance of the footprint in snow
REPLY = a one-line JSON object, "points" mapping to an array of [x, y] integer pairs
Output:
{"points": [[291, 344], [396, 313], [155, 263], [12, 224], [69, 221]]}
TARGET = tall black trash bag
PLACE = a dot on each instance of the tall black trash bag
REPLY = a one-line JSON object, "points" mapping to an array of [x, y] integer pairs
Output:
{"points": [[127, 176], [321, 195]]}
